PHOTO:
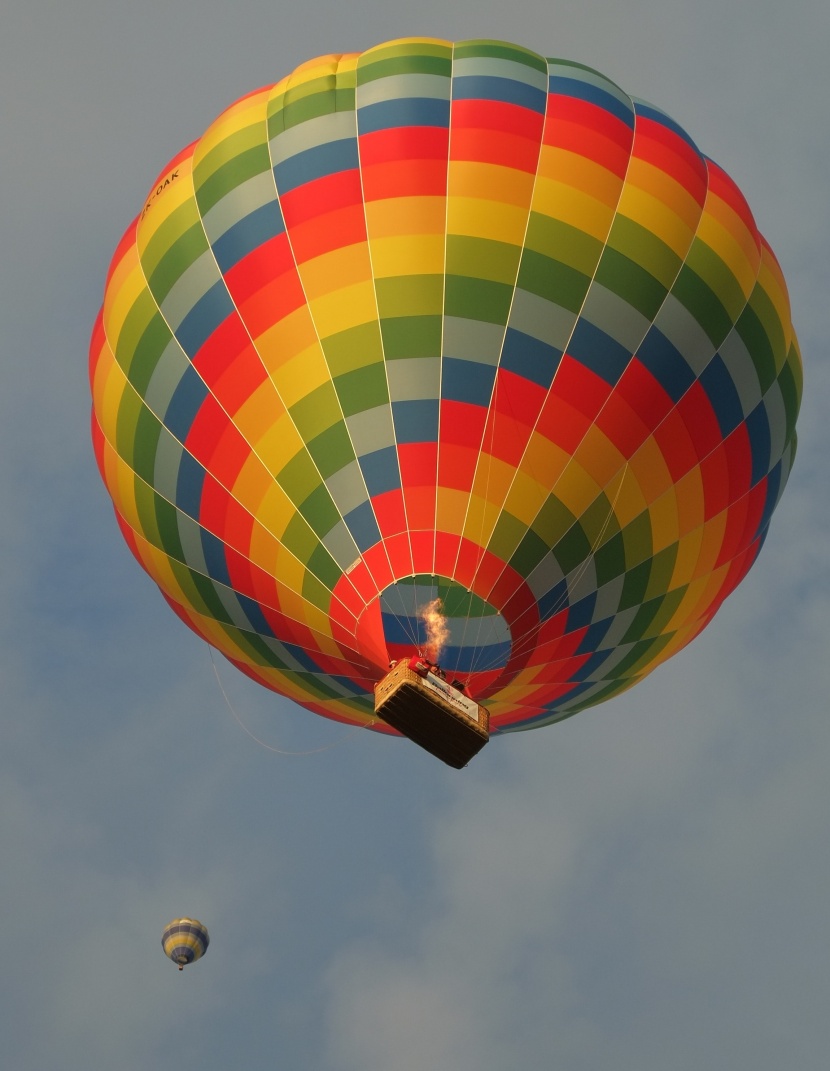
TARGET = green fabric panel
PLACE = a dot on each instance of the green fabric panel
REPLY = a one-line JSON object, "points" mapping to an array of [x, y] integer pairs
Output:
{"points": [[320, 511], [481, 258], [149, 342], [754, 337], [331, 450], [796, 368], [635, 585], [552, 521], [253, 161], [316, 685], [477, 299], [147, 433], [362, 389], [167, 523], [387, 62], [186, 579], [770, 324], [563, 243], [129, 409], [631, 282], [643, 247], [322, 577], [500, 50], [299, 538], [354, 348], [530, 551], [410, 295], [213, 604], [706, 263], [641, 655], [791, 395], [145, 504], [317, 412], [257, 649], [182, 221], [572, 549], [319, 99], [552, 280], [692, 292], [644, 623], [175, 262], [662, 570], [658, 612], [298, 477], [637, 539], [609, 560], [598, 520], [506, 536], [231, 148], [411, 336]]}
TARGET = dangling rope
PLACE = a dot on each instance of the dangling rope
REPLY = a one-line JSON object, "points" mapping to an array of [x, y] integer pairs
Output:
{"points": [[279, 751]]}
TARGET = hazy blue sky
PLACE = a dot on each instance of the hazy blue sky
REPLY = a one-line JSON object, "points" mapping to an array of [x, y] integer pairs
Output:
{"points": [[643, 887]]}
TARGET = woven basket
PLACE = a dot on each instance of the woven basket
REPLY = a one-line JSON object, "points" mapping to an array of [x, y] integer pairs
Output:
{"points": [[433, 714]]}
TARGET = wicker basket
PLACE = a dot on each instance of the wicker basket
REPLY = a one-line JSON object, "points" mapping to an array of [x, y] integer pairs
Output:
{"points": [[432, 713]]}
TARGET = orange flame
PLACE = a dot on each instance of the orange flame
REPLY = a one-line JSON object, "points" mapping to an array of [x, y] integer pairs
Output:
{"points": [[436, 626]]}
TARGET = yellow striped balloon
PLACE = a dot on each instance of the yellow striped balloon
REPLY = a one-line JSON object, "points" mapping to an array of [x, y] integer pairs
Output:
{"points": [[184, 941], [445, 321]]}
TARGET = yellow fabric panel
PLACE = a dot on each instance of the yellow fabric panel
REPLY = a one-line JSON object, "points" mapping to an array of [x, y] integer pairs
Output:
{"points": [[408, 254], [578, 209], [294, 335]]}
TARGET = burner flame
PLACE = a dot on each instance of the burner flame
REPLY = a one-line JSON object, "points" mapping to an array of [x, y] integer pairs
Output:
{"points": [[436, 628]]}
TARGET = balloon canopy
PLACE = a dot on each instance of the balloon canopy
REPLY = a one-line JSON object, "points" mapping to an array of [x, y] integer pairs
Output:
{"points": [[184, 941], [446, 322]]}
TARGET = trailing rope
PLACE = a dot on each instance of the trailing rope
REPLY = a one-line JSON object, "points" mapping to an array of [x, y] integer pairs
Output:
{"points": [[270, 747]]}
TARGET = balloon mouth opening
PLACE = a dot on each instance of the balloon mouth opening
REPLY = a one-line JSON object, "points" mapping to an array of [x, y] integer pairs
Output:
{"points": [[449, 624]]}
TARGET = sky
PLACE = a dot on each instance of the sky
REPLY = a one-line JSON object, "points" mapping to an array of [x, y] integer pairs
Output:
{"points": [[642, 887]]}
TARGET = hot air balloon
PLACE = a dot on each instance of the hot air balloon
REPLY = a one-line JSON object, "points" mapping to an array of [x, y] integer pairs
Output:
{"points": [[184, 941], [448, 322]]}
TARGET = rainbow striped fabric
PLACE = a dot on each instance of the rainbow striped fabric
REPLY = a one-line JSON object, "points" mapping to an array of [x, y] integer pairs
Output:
{"points": [[445, 320]]}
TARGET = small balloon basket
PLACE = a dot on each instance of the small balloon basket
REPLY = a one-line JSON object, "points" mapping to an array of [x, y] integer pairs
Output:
{"points": [[416, 699]]}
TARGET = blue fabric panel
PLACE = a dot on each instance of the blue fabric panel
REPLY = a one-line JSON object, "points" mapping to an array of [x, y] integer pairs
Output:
{"points": [[466, 381], [248, 234], [598, 351], [757, 426], [720, 389], [189, 484], [650, 112], [491, 87], [530, 357], [214, 552], [380, 470], [666, 364], [572, 87], [553, 601], [416, 421], [210, 310], [594, 636], [363, 526], [315, 163], [186, 402], [253, 612], [405, 111], [581, 613]]}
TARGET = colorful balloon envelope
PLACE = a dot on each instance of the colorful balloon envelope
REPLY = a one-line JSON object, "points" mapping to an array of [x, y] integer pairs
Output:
{"points": [[445, 321], [184, 941]]}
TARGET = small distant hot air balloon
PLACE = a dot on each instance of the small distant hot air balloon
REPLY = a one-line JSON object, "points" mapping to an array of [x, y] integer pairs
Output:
{"points": [[184, 941]]}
